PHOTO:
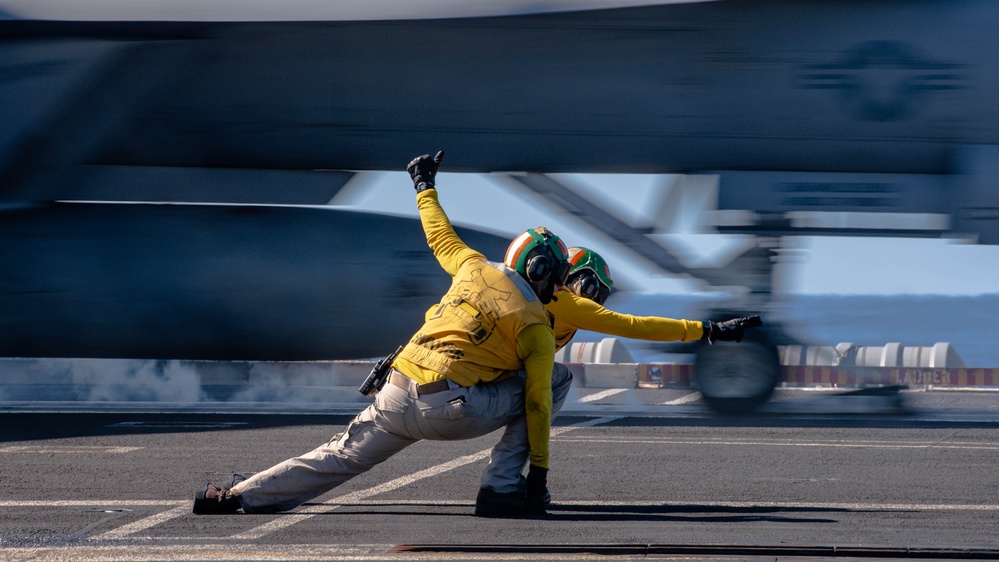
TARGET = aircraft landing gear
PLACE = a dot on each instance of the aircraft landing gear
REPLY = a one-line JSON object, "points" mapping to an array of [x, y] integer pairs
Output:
{"points": [[736, 378]]}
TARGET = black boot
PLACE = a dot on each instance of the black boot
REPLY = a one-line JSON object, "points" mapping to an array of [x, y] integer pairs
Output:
{"points": [[522, 488], [490, 503], [212, 500]]}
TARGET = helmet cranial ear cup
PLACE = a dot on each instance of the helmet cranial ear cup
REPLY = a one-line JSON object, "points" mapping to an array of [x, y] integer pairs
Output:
{"points": [[538, 268], [602, 295], [587, 286], [585, 283]]}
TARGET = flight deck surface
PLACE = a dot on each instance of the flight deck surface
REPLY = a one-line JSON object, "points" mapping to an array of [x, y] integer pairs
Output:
{"points": [[636, 474]]}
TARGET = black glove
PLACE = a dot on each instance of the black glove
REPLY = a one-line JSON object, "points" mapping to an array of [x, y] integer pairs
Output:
{"points": [[423, 170], [729, 330], [537, 487]]}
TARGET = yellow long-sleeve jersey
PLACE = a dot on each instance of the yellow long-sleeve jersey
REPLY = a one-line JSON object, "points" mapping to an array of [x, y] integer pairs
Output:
{"points": [[573, 313], [487, 325]]}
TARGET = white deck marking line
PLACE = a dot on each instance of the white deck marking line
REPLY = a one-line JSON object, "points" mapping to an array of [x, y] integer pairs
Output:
{"points": [[602, 394], [685, 399], [68, 449], [231, 552], [835, 444], [92, 503], [144, 523], [308, 512]]}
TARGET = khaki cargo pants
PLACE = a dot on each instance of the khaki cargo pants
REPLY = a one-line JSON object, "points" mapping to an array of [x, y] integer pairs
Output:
{"points": [[397, 418]]}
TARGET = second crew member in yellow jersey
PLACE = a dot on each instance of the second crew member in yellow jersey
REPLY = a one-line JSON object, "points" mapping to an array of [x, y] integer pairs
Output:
{"points": [[578, 305], [484, 359]]}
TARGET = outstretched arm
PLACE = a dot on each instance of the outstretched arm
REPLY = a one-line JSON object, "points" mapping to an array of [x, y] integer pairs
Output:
{"points": [[583, 314], [448, 248]]}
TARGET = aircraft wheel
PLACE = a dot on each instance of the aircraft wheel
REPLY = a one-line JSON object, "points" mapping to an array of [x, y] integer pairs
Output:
{"points": [[736, 378]]}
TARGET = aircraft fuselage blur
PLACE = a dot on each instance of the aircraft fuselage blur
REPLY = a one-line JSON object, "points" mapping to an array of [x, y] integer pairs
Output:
{"points": [[213, 111], [889, 87]]}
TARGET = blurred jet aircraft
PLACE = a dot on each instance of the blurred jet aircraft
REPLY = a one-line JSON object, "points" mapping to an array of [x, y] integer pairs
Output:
{"points": [[828, 116]]}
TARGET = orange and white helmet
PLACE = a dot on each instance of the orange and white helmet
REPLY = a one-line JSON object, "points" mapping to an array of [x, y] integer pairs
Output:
{"points": [[539, 256]]}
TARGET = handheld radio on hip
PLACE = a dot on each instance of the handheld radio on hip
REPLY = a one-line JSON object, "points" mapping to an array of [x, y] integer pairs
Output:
{"points": [[379, 374]]}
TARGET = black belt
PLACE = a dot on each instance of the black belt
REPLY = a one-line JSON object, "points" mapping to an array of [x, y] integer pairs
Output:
{"points": [[402, 381]]}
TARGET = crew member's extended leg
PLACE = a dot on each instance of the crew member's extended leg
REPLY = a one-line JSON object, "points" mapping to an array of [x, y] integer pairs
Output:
{"points": [[295, 481], [372, 436]]}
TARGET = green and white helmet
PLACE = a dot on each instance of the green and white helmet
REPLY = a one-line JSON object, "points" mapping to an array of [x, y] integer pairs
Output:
{"points": [[589, 276]]}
